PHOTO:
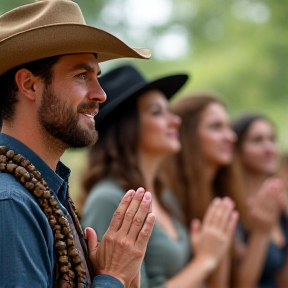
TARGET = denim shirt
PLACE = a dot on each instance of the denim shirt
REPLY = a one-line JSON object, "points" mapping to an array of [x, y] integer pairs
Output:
{"points": [[26, 239]]}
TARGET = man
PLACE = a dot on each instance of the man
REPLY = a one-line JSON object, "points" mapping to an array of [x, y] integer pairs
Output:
{"points": [[49, 95]]}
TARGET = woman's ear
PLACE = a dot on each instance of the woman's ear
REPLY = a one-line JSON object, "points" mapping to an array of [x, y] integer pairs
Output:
{"points": [[26, 82]]}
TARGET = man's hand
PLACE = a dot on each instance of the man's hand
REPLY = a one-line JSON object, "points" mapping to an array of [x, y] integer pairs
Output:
{"points": [[122, 249]]}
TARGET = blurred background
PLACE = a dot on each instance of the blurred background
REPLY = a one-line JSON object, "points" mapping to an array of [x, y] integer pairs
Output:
{"points": [[237, 48]]}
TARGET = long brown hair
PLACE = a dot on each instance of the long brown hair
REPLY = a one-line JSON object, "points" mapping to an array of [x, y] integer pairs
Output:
{"points": [[115, 155], [185, 169]]}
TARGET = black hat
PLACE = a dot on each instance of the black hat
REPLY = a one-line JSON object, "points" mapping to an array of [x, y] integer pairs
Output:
{"points": [[126, 81]]}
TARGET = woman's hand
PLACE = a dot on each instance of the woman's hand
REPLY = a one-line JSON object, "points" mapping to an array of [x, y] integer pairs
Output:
{"points": [[265, 207], [212, 239]]}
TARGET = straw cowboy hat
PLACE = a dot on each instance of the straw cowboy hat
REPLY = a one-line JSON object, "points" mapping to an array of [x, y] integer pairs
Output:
{"points": [[126, 82], [55, 27]]}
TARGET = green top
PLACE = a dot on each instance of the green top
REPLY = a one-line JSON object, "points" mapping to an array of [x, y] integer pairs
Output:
{"points": [[165, 256]]}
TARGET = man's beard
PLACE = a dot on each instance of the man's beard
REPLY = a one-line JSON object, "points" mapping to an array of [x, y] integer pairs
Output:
{"points": [[60, 121]]}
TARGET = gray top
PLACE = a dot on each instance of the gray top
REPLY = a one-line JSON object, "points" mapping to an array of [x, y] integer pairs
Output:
{"points": [[165, 256]]}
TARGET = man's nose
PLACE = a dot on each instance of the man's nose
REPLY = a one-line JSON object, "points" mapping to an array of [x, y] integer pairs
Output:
{"points": [[97, 93]]}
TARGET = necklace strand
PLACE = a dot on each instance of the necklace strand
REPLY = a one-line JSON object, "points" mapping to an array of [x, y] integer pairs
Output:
{"points": [[69, 263]]}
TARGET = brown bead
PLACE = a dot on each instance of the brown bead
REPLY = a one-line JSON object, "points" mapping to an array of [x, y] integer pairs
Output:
{"points": [[62, 252], [29, 185], [58, 212], [63, 221], [58, 235], [38, 192], [37, 175], [70, 242], [81, 272], [77, 259], [18, 158], [48, 211], [2, 167], [34, 180], [64, 268], [30, 168], [57, 227], [44, 203], [52, 222], [3, 150], [17, 174], [66, 278], [11, 167], [73, 251], [63, 260], [46, 193], [44, 183], [66, 230], [23, 172], [60, 245], [53, 201], [70, 235], [38, 184], [71, 274], [10, 154], [3, 159], [25, 162]]}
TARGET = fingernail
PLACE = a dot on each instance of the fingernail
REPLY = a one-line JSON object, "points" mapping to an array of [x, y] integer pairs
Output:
{"points": [[147, 197], [129, 194], [139, 193], [151, 218]]}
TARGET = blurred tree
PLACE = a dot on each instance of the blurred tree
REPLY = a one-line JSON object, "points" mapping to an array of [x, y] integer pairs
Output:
{"points": [[235, 47]]}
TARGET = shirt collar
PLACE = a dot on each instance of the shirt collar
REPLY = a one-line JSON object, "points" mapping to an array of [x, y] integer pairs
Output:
{"points": [[54, 179]]}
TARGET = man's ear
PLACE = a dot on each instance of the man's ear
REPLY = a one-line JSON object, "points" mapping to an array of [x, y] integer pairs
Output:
{"points": [[26, 82]]}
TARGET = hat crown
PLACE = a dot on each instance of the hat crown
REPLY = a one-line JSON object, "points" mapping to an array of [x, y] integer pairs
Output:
{"points": [[39, 14], [121, 80]]}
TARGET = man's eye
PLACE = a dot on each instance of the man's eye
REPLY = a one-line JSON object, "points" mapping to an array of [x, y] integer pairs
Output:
{"points": [[82, 76]]}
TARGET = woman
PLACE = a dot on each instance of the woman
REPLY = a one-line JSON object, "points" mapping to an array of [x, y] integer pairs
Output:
{"points": [[203, 170], [130, 149], [257, 153]]}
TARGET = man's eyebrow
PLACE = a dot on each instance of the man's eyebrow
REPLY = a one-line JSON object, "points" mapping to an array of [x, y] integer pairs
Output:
{"points": [[84, 67]]}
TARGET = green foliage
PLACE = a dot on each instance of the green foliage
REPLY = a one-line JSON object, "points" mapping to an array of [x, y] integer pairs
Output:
{"points": [[233, 49]]}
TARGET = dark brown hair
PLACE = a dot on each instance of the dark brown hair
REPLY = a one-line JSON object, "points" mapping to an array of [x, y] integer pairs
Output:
{"points": [[8, 86], [185, 169], [242, 124]]}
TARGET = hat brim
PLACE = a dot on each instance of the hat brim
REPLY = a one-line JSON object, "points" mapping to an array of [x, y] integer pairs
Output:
{"points": [[168, 85], [63, 39]]}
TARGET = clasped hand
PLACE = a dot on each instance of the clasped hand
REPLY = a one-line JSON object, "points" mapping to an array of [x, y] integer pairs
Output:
{"points": [[121, 250]]}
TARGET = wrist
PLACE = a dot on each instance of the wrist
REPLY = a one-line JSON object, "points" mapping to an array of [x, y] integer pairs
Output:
{"points": [[260, 234], [208, 263]]}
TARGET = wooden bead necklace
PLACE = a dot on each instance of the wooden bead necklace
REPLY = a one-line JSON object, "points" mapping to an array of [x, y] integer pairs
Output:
{"points": [[69, 263]]}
